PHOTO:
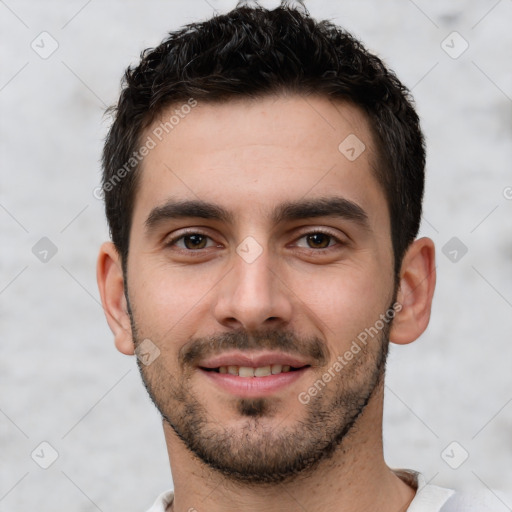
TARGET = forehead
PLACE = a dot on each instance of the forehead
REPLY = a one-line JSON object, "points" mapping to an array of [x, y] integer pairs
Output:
{"points": [[252, 155]]}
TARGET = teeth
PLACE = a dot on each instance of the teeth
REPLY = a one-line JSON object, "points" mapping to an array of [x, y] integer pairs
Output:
{"points": [[276, 368], [245, 371], [262, 371]]}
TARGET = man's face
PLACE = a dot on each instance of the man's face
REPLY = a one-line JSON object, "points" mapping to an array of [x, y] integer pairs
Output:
{"points": [[256, 243]]}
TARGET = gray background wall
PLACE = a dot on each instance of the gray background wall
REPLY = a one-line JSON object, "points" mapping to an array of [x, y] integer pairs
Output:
{"points": [[62, 381]]}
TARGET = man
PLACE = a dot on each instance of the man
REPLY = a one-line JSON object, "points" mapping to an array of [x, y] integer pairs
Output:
{"points": [[263, 181]]}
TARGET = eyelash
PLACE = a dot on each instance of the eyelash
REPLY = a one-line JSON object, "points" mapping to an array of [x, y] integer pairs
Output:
{"points": [[184, 234], [333, 237]]}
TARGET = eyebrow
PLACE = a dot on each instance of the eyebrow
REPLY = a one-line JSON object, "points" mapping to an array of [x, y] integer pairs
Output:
{"points": [[186, 209], [322, 207], [288, 211]]}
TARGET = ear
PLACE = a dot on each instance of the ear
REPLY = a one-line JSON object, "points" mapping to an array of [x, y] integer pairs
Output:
{"points": [[109, 274], [416, 290]]}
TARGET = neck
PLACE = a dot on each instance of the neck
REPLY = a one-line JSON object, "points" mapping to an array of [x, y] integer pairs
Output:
{"points": [[354, 479]]}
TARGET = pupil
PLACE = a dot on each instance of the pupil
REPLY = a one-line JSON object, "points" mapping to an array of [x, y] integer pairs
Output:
{"points": [[319, 240]]}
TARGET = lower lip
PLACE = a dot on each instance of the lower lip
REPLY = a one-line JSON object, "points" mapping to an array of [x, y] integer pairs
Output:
{"points": [[252, 387]]}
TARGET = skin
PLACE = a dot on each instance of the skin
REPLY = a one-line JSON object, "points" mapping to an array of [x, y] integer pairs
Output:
{"points": [[250, 157]]}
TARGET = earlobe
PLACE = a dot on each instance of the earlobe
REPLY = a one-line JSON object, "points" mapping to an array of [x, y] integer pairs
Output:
{"points": [[416, 290], [109, 275]]}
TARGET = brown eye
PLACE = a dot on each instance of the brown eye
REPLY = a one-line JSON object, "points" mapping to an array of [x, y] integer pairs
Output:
{"points": [[195, 241], [191, 242], [318, 240]]}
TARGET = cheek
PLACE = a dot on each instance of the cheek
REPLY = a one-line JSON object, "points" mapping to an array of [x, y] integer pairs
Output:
{"points": [[168, 298], [344, 301]]}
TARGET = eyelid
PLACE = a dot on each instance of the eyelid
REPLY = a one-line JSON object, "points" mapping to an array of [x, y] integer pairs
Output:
{"points": [[341, 239], [171, 240]]}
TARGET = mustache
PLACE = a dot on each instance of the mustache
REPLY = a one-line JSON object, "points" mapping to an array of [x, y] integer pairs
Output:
{"points": [[199, 349]]}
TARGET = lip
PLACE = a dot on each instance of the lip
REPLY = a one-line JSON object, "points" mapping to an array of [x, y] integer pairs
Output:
{"points": [[252, 387], [254, 360]]}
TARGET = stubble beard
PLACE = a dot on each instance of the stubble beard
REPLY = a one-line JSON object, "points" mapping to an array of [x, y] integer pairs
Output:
{"points": [[261, 450]]}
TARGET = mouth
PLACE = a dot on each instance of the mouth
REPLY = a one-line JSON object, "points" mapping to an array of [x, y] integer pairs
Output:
{"points": [[252, 375], [261, 371]]}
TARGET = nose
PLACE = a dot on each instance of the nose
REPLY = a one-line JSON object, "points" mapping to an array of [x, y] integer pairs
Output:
{"points": [[253, 295]]}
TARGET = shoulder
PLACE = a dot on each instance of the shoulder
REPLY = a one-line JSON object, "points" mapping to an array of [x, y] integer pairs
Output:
{"points": [[432, 498], [162, 502], [428, 498], [473, 502]]}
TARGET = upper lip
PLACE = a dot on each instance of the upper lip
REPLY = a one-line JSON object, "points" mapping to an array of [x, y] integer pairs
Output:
{"points": [[253, 360]]}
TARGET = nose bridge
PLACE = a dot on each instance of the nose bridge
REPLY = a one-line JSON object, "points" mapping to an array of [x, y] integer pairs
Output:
{"points": [[252, 279], [252, 294]]}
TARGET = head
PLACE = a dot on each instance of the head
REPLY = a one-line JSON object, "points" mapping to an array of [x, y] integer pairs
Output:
{"points": [[263, 181], [251, 53]]}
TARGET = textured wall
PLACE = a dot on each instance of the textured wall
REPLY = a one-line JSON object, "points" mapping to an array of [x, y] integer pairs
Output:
{"points": [[62, 381]]}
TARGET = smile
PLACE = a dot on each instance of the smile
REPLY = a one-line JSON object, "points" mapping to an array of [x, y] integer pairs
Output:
{"points": [[248, 371], [247, 382]]}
